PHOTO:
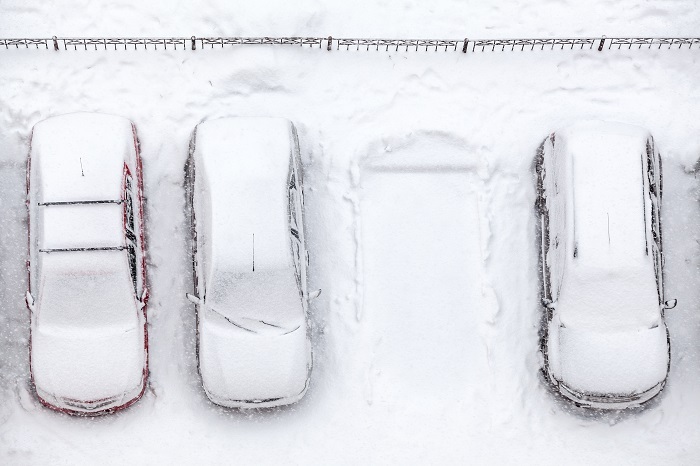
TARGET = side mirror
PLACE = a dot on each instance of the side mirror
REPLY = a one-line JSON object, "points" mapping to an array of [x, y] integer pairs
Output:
{"points": [[670, 304], [314, 294], [193, 299], [145, 294], [29, 300]]}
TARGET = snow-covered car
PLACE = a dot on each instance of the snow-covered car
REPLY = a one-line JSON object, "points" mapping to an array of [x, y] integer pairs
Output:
{"points": [[245, 197], [87, 277], [605, 341]]}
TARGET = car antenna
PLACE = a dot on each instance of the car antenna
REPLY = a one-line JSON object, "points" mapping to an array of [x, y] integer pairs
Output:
{"points": [[81, 167], [253, 252]]}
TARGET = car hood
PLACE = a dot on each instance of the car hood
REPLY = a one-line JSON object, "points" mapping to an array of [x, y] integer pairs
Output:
{"points": [[245, 362], [87, 364], [612, 362]]}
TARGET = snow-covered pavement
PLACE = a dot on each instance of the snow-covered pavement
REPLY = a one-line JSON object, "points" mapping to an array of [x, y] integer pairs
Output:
{"points": [[421, 228]]}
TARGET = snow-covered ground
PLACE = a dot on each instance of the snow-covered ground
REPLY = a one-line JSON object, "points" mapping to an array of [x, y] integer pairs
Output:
{"points": [[421, 227]]}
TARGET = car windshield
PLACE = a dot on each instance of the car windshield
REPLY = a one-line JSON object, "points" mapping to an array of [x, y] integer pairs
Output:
{"points": [[270, 295], [609, 299], [86, 289]]}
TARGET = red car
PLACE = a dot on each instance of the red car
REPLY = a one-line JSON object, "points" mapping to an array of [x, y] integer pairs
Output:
{"points": [[87, 291]]}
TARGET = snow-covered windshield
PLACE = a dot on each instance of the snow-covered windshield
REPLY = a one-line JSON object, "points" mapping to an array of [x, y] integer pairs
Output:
{"points": [[609, 299], [270, 295], [86, 289]]}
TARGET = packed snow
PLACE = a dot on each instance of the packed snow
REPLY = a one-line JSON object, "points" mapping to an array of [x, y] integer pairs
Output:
{"points": [[421, 229]]}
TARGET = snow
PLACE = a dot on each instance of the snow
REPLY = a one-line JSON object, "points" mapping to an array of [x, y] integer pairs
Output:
{"points": [[609, 282], [253, 343], [80, 156], [621, 363], [80, 226], [607, 198], [87, 330], [85, 289], [487, 112], [244, 165], [271, 296], [87, 342], [607, 335], [69, 363], [601, 299], [240, 365]]}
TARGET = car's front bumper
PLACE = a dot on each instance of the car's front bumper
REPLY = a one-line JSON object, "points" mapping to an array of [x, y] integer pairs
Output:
{"points": [[96, 407], [610, 400], [251, 404]]}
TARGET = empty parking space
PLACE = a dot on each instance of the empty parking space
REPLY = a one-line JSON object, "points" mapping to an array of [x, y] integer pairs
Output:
{"points": [[422, 277]]}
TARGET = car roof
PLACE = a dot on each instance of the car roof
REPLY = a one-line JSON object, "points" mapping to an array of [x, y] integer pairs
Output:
{"points": [[80, 226], [609, 280], [242, 170], [606, 166], [80, 156]]}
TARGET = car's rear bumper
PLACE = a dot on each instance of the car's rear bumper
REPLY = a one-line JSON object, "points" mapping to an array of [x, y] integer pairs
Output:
{"points": [[610, 400]]}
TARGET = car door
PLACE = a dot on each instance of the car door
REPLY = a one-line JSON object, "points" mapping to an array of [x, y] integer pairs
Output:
{"points": [[130, 238], [296, 227], [552, 210], [653, 181]]}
